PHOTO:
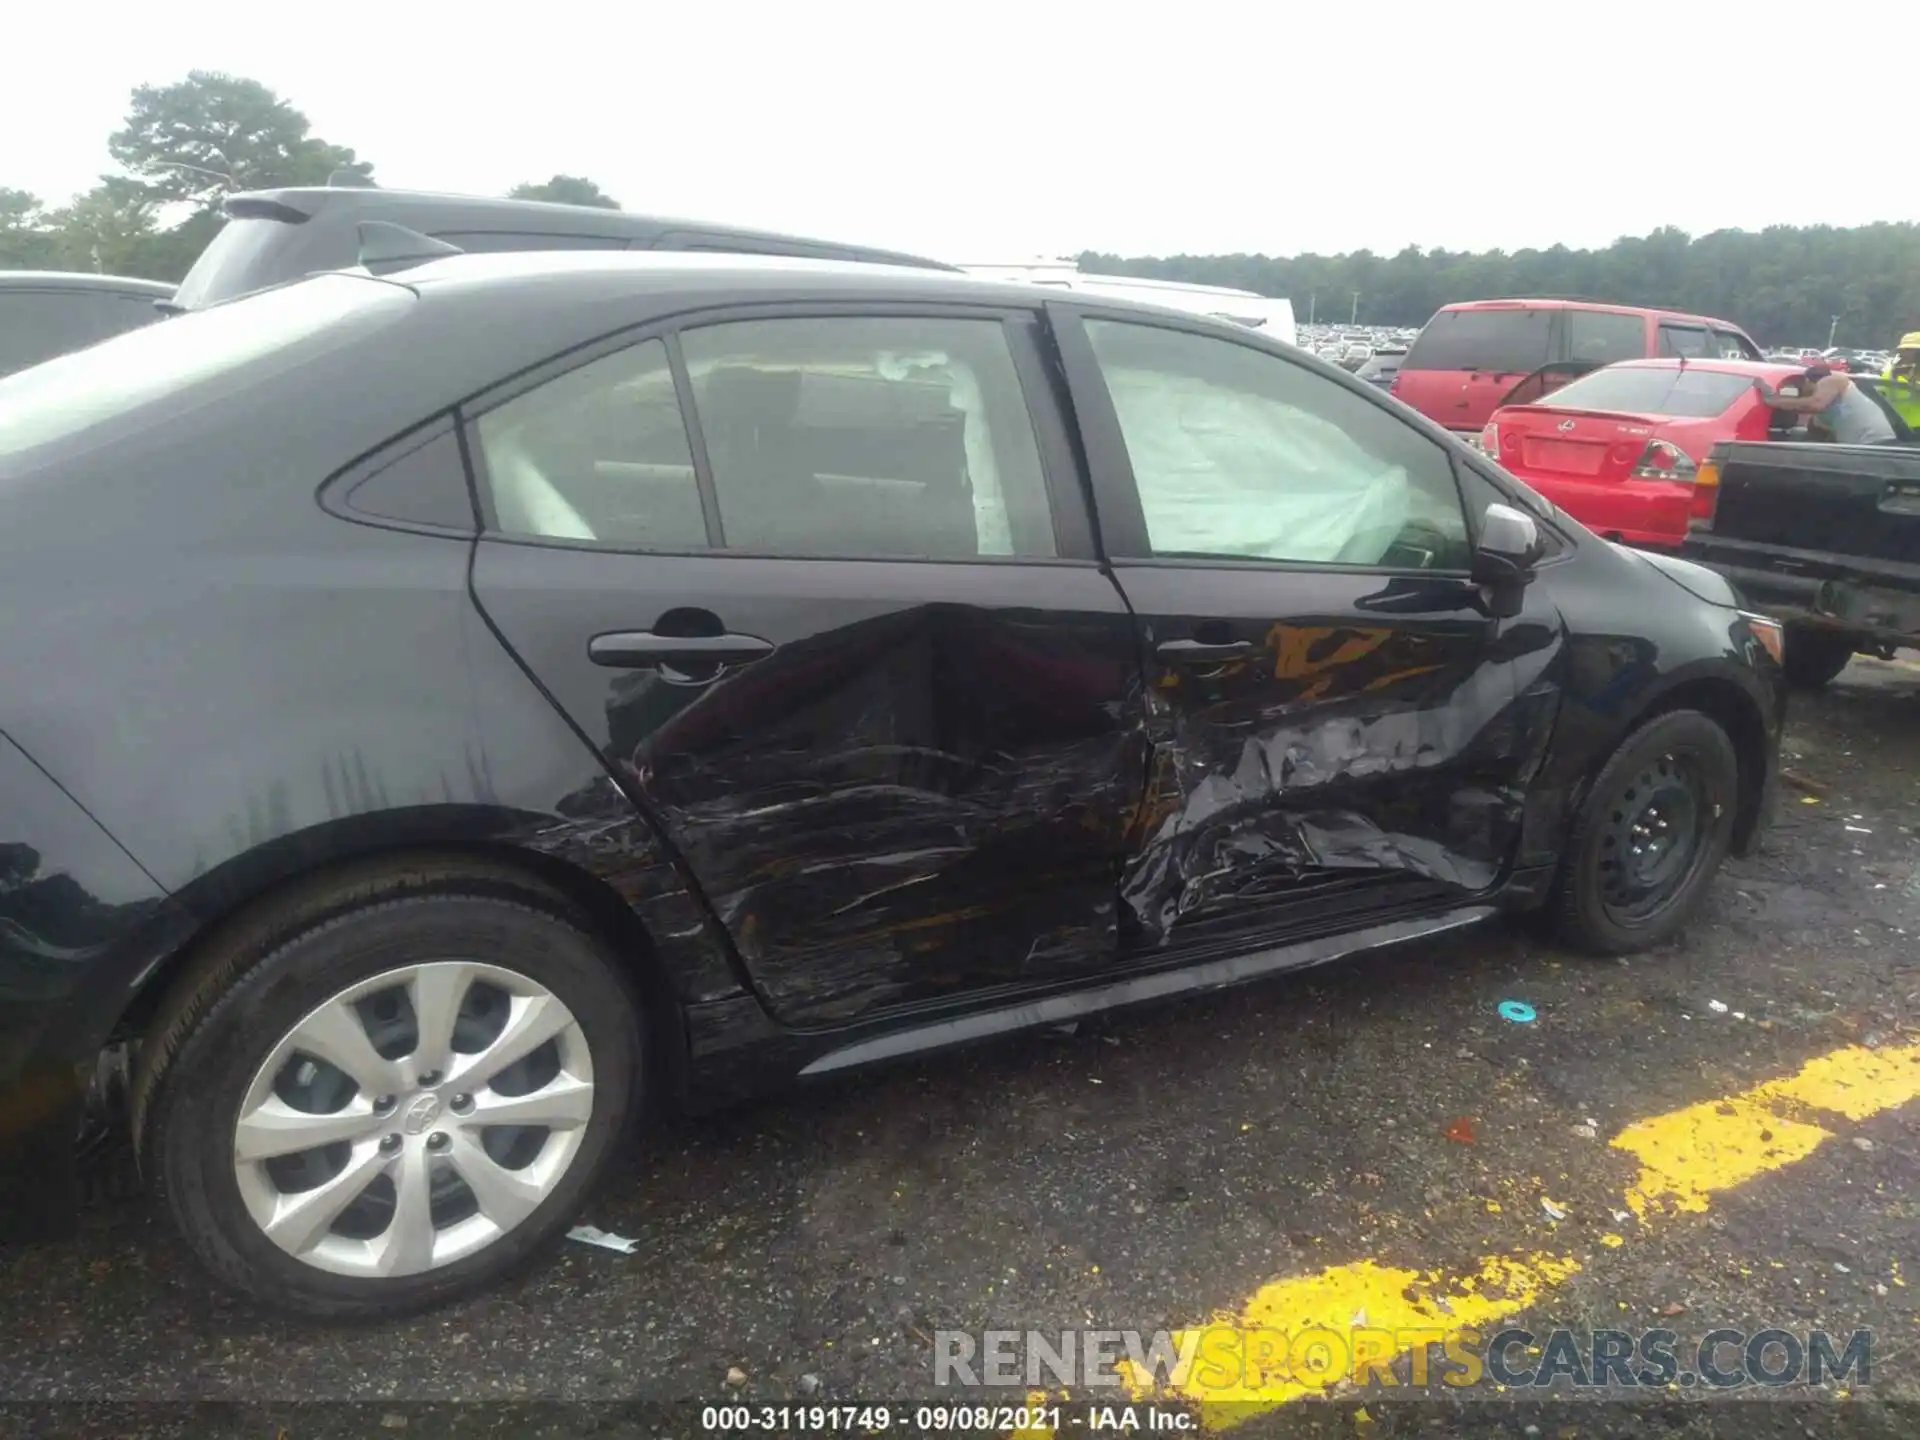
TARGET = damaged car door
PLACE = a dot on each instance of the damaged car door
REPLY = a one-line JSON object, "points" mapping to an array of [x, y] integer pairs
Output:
{"points": [[1342, 733], [821, 588]]}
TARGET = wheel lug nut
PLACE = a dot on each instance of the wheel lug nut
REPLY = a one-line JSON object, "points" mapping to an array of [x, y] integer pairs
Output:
{"points": [[436, 1141], [430, 1077], [462, 1103], [389, 1144], [383, 1104]]}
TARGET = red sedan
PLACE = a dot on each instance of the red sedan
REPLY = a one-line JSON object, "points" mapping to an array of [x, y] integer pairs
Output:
{"points": [[1618, 449]]}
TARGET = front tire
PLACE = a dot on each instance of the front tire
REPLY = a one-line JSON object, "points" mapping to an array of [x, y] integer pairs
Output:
{"points": [[1813, 656], [1650, 835], [396, 1106]]}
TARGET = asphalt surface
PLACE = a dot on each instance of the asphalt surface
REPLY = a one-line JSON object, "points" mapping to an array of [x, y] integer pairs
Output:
{"points": [[1157, 1169]]}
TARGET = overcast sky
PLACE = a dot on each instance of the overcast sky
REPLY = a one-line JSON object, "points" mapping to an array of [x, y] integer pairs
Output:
{"points": [[986, 131]]}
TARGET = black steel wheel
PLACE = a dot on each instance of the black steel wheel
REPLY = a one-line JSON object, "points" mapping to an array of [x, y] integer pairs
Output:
{"points": [[1650, 835]]}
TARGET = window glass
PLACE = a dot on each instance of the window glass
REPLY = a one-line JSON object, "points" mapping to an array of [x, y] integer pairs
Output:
{"points": [[1688, 340], [599, 453], [1600, 337], [1650, 390], [1239, 453], [425, 484], [893, 436], [1501, 339], [130, 312], [37, 325], [239, 259], [1729, 345]]}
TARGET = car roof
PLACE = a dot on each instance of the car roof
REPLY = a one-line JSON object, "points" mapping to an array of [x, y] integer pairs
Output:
{"points": [[81, 280], [1563, 302], [669, 271], [432, 210]]}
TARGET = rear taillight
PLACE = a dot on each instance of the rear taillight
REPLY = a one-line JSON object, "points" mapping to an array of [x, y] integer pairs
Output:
{"points": [[1490, 440], [1661, 461], [1706, 493]]}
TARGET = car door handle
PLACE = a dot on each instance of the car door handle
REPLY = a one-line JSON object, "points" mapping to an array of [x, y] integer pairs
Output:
{"points": [[644, 650], [1202, 652]]}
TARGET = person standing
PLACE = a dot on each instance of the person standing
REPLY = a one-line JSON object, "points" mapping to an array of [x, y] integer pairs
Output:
{"points": [[1901, 380], [1834, 407]]}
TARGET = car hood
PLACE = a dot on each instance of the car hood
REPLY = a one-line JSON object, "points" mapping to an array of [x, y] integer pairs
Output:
{"points": [[1697, 580]]}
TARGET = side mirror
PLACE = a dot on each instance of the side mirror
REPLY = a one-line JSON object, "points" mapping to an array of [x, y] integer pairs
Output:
{"points": [[1504, 559]]}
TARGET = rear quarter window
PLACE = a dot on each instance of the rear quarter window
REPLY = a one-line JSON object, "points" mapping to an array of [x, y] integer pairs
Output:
{"points": [[1514, 341]]}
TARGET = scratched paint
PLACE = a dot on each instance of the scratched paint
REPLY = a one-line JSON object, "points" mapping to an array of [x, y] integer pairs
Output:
{"points": [[1687, 1156]]}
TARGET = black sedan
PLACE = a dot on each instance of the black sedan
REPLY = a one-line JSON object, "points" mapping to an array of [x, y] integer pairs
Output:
{"points": [[446, 710]]}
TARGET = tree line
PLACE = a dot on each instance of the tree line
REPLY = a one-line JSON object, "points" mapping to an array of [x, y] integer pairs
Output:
{"points": [[1784, 284], [183, 148], [186, 145]]}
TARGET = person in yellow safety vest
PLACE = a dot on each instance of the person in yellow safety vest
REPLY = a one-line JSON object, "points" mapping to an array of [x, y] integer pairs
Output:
{"points": [[1901, 385]]}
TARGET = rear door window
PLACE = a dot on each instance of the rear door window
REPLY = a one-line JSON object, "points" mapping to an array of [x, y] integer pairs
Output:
{"points": [[867, 437], [1732, 345], [870, 435], [1515, 341], [1600, 337], [1691, 341]]}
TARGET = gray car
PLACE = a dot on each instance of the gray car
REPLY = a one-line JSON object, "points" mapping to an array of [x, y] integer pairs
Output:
{"points": [[44, 313], [272, 236]]}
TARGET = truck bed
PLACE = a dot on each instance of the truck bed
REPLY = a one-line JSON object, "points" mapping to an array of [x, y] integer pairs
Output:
{"points": [[1820, 533]]}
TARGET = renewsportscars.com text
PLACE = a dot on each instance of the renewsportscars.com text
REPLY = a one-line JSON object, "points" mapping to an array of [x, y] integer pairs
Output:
{"points": [[1226, 1361]]}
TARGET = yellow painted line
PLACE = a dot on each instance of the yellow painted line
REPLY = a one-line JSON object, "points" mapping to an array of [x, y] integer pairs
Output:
{"points": [[1297, 1337], [1854, 1082], [1264, 1354], [1690, 1154]]}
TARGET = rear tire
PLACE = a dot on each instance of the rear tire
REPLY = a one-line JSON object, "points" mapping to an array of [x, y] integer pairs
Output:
{"points": [[1814, 655], [488, 1057], [1650, 835]]}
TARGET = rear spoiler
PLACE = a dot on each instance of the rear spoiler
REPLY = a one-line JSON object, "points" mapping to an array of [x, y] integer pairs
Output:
{"points": [[264, 207]]}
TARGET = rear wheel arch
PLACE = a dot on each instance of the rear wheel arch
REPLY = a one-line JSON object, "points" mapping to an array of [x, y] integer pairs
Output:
{"points": [[188, 981]]}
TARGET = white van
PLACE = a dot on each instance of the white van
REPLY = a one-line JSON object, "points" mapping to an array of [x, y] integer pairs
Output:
{"points": [[1257, 312]]}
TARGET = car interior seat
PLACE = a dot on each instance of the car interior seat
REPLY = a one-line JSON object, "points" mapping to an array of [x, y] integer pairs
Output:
{"points": [[769, 498]]}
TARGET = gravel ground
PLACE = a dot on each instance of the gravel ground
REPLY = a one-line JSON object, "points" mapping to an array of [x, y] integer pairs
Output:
{"points": [[1153, 1170]]}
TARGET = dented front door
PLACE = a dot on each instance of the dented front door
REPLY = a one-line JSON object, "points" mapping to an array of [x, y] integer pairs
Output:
{"points": [[1340, 732]]}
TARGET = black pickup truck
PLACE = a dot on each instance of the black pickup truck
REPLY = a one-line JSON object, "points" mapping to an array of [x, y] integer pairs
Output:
{"points": [[1825, 538]]}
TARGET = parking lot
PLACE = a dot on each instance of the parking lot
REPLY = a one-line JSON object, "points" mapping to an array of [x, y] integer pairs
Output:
{"points": [[1313, 1151]]}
